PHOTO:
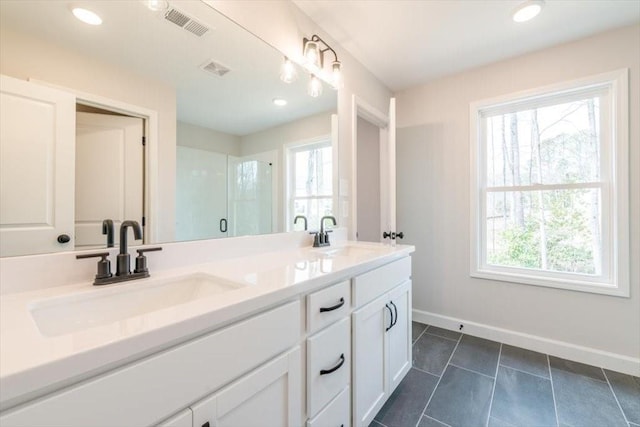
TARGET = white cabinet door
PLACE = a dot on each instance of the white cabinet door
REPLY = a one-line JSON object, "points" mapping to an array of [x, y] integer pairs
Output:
{"points": [[269, 396], [399, 336], [369, 356], [109, 174], [37, 139]]}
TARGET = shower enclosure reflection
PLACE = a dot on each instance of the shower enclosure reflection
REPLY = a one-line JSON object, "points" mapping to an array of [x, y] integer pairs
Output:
{"points": [[220, 195]]}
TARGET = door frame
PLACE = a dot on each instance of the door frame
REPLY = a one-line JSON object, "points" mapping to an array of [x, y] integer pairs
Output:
{"points": [[366, 111], [151, 155]]}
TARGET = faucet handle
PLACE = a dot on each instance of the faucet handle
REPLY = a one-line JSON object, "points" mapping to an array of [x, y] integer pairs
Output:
{"points": [[104, 265], [141, 259]]}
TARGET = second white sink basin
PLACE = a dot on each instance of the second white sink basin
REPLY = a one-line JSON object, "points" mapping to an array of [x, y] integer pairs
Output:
{"points": [[63, 315]]}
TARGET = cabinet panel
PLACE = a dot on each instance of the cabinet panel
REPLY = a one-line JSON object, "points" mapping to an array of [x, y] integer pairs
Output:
{"points": [[168, 381], [376, 282], [369, 355], [399, 336], [336, 414], [329, 364], [268, 396], [328, 305]]}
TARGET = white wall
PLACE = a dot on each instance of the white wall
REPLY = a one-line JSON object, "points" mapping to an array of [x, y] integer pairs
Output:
{"points": [[368, 181], [195, 136], [284, 29], [24, 57], [433, 203]]}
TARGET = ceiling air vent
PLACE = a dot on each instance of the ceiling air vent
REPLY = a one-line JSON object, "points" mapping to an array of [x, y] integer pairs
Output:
{"points": [[215, 67], [185, 22]]}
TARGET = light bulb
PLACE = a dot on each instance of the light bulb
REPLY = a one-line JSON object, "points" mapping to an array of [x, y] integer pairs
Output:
{"points": [[288, 72], [527, 10], [336, 76], [86, 16], [315, 87], [312, 53]]}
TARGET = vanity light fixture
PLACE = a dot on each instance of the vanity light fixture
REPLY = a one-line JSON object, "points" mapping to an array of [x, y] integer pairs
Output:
{"points": [[86, 16], [288, 72], [527, 10], [315, 87], [313, 50], [279, 102]]}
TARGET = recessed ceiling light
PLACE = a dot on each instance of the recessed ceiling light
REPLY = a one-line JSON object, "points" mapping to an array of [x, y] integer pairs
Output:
{"points": [[527, 10], [280, 102], [157, 5], [86, 16]]}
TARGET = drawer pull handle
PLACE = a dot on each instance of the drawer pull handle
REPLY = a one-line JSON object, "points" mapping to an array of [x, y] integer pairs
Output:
{"points": [[335, 368], [396, 310], [391, 314], [333, 307]]}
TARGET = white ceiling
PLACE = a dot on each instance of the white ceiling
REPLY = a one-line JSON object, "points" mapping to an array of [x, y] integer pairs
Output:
{"points": [[409, 42], [133, 37]]}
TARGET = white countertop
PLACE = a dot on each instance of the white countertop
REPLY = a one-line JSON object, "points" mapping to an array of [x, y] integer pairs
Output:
{"points": [[32, 364]]}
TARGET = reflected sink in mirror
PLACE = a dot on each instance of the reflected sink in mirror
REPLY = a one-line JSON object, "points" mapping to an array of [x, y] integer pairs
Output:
{"points": [[68, 314]]}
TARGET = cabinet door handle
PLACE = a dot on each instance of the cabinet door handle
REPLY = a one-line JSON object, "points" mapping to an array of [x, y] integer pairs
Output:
{"points": [[333, 307], [335, 368], [223, 225], [390, 313], [396, 310]]}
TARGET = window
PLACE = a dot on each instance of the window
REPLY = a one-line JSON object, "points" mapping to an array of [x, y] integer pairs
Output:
{"points": [[310, 181], [549, 186]]}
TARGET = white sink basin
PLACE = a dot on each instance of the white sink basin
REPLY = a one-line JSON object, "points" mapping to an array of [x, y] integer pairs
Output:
{"points": [[63, 315]]}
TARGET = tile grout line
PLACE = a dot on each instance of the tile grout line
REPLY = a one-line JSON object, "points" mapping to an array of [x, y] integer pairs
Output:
{"points": [[524, 372], [444, 338], [421, 334], [615, 397], [471, 370], [553, 391], [493, 390], [426, 372], [431, 418], [438, 383]]}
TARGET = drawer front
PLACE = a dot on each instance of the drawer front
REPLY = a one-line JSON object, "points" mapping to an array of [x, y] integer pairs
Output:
{"points": [[168, 381], [374, 283], [328, 305], [328, 364], [336, 414]]}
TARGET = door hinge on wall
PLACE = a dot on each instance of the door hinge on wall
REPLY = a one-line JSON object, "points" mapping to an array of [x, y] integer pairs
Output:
{"points": [[144, 221], [144, 140]]}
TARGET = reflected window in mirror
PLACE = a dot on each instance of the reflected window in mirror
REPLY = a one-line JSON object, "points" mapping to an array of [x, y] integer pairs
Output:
{"points": [[309, 181]]}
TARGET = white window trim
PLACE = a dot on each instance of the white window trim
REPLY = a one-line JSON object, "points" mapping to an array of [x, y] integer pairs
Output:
{"points": [[618, 84]]}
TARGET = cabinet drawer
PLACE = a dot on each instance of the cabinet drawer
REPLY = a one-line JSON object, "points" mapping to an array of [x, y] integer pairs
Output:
{"points": [[168, 381], [328, 364], [336, 414], [374, 283], [328, 305]]}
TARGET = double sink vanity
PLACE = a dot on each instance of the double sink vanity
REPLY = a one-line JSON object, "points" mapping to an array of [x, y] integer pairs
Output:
{"points": [[248, 336]]}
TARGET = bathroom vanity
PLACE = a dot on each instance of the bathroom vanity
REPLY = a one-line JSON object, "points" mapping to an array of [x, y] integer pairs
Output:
{"points": [[298, 336]]}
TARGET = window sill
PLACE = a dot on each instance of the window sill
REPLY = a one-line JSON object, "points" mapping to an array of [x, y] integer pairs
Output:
{"points": [[565, 284]]}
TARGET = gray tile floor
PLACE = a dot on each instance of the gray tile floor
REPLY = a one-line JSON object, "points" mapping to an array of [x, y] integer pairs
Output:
{"points": [[461, 380]]}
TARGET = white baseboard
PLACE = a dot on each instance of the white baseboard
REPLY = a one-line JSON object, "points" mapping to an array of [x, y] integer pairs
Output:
{"points": [[590, 356]]}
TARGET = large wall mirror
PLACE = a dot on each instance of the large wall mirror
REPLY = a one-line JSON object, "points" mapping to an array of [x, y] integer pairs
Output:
{"points": [[176, 121]]}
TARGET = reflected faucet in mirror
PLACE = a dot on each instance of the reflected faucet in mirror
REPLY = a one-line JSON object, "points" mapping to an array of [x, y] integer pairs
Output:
{"points": [[303, 218], [107, 228]]}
